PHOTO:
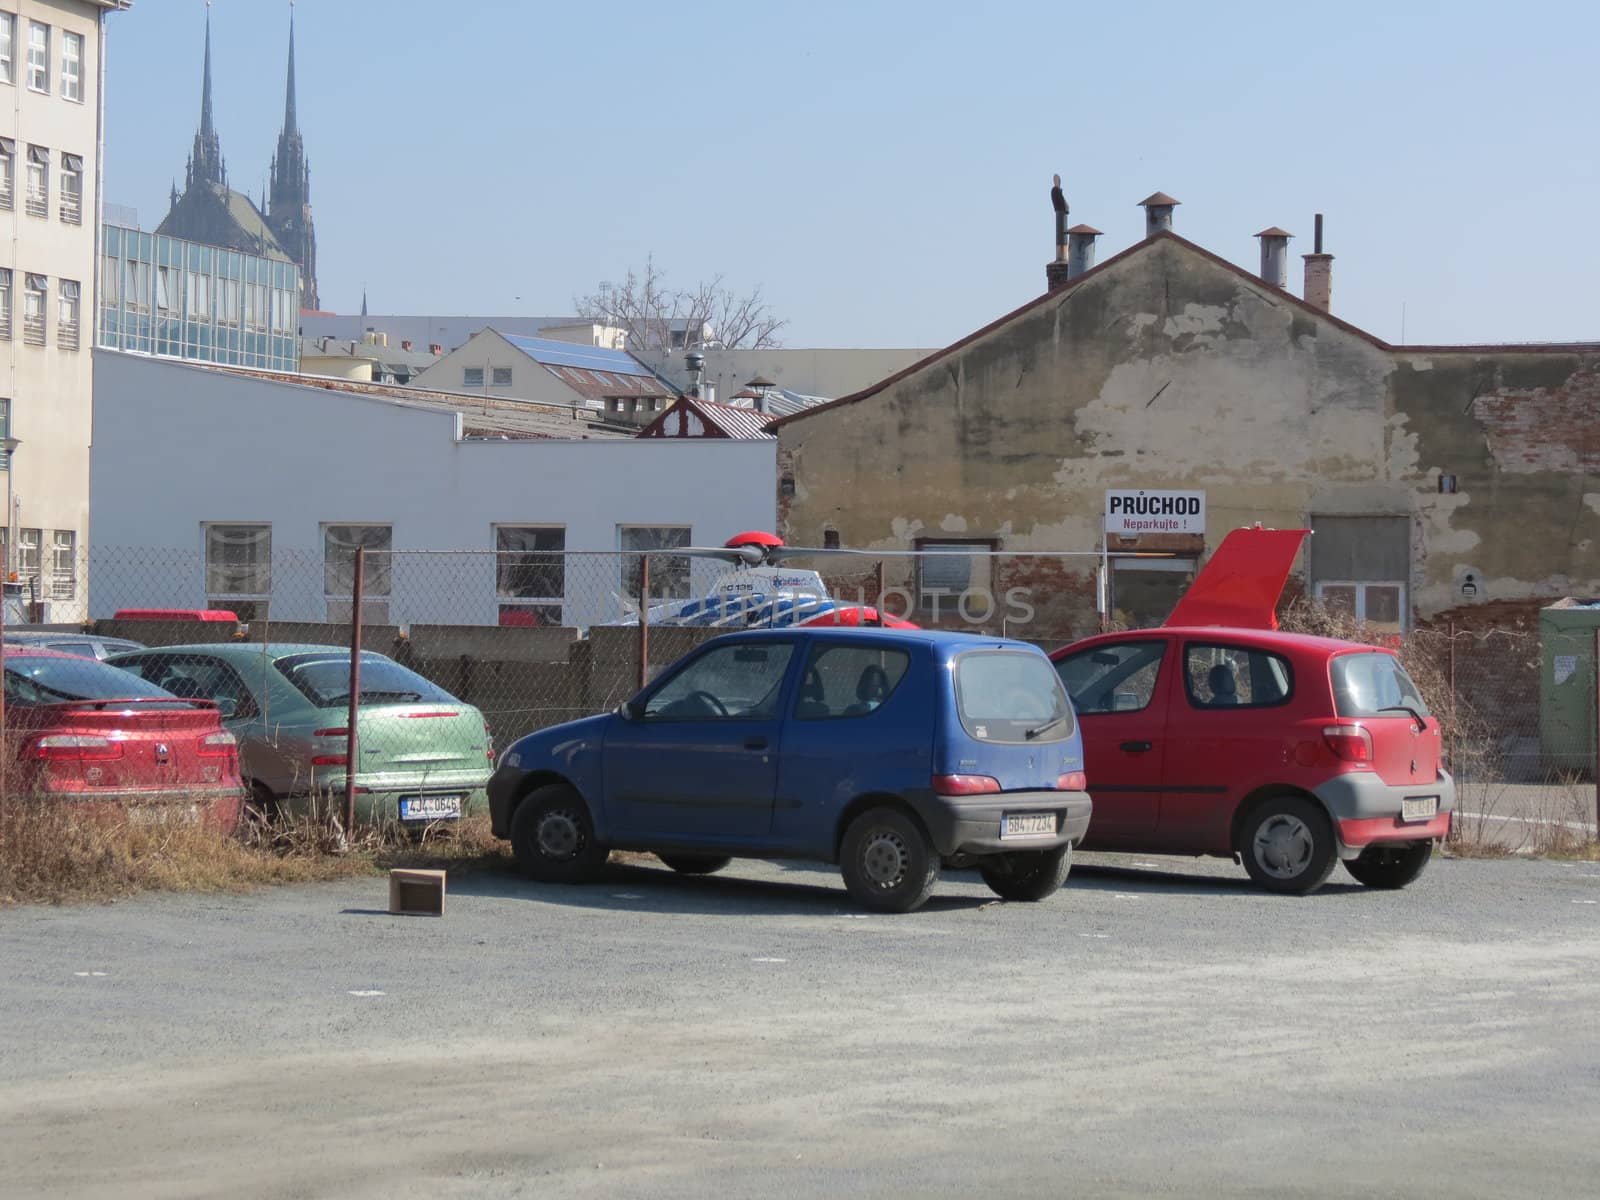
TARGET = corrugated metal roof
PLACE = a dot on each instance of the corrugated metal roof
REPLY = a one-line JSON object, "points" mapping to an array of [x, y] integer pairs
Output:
{"points": [[726, 420], [549, 352]]}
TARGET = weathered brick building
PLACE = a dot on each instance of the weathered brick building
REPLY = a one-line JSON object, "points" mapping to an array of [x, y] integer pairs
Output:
{"points": [[1440, 480]]}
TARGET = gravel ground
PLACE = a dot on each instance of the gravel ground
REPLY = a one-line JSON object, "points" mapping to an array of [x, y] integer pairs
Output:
{"points": [[1159, 1029]]}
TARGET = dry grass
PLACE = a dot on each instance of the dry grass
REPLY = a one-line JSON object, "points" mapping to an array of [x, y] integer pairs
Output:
{"points": [[54, 852]]}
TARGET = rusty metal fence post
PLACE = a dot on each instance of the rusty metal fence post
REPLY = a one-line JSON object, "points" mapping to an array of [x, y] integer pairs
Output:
{"points": [[644, 620], [878, 588], [1594, 691], [353, 753], [5, 752]]}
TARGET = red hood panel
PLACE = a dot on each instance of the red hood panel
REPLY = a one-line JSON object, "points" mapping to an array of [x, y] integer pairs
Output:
{"points": [[1241, 582]]}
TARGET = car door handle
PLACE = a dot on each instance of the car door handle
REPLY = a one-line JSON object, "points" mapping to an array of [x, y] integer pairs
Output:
{"points": [[755, 743], [1137, 747]]}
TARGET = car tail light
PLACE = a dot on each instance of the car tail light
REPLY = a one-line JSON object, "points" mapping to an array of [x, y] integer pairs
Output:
{"points": [[218, 745], [56, 746], [1349, 743], [332, 760], [965, 785], [1073, 781]]}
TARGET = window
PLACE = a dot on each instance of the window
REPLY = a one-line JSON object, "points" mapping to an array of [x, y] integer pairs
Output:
{"points": [[324, 678], [38, 200], [166, 293], [949, 570], [239, 567], [38, 56], [1235, 677], [34, 299], [530, 573], [8, 173], [669, 573], [68, 310], [848, 681], [339, 545], [8, 41], [1011, 696], [49, 680], [195, 676], [502, 377], [198, 289], [1373, 685], [5, 304], [744, 680], [71, 66], [228, 306], [72, 188], [1116, 678], [1380, 604], [1144, 591], [63, 565], [27, 552], [472, 377]]}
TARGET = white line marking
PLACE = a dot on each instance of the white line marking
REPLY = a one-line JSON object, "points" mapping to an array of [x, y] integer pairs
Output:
{"points": [[367, 993], [1581, 826], [1123, 896], [90, 974], [620, 895], [1586, 901], [784, 960]]}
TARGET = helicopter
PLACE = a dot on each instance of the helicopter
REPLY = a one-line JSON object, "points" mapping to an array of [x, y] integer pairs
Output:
{"points": [[760, 593]]}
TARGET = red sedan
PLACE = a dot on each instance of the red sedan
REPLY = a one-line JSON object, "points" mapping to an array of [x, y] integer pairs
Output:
{"points": [[79, 730], [1216, 734]]}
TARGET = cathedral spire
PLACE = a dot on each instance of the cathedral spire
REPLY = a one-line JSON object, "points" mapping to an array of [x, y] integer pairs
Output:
{"points": [[205, 165], [289, 201], [290, 124]]}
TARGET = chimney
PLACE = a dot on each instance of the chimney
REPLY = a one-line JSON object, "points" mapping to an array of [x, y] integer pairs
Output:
{"points": [[695, 363], [435, 349], [1158, 208], [1056, 272], [1275, 256], [405, 343], [1319, 272], [1080, 249]]}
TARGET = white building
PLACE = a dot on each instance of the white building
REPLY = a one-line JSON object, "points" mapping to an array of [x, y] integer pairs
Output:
{"points": [[232, 489], [52, 54]]}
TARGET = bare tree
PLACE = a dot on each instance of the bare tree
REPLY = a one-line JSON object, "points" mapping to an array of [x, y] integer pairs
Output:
{"points": [[656, 316]]}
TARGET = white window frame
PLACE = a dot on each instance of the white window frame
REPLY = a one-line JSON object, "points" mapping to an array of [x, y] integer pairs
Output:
{"points": [[64, 564], [262, 570], [8, 174], [72, 56], [8, 47], [28, 543], [939, 558], [39, 58], [36, 199], [377, 585], [631, 557], [5, 304], [69, 314], [466, 377], [1361, 586], [494, 377], [509, 599], [70, 189], [35, 309]]}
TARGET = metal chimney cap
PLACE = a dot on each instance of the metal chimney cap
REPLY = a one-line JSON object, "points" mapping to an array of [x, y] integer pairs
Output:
{"points": [[760, 381], [1274, 231], [1158, 200], [1089, 229]]}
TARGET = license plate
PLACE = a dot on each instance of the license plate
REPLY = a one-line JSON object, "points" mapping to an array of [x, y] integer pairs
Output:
{"points": [[1419, 808], [430, 808], [163, 814], [1026, 825]]}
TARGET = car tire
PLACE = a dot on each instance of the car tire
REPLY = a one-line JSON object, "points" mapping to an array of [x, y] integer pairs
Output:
{"points": [[260, 804], [1287, 845], [1028, 874], [552, 835], [887, 862], [1390, 866], [694, 864]]}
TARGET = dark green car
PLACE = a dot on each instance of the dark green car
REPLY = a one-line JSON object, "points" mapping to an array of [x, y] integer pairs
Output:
{"points": [[425, 756]]}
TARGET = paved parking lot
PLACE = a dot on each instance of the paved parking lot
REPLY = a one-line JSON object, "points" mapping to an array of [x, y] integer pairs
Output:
{"points": [[1160, 1029]]}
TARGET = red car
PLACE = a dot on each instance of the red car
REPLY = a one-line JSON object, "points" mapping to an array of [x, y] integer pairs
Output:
{"points": [[77, 729], [1217, 734]]}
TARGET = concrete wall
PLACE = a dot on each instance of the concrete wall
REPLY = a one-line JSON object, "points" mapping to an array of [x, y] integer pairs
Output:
{"points": [[49, 388], [178, 445], [1167, 369], [337, 366]]}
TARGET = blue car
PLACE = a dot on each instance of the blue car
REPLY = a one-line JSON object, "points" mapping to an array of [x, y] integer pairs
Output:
{"points": [[889, 752]]}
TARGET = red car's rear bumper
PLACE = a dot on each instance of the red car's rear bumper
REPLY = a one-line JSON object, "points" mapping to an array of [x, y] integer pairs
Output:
{"points": [[1364, 831]]}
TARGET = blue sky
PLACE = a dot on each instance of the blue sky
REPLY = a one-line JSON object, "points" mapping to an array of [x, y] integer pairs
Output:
{"points": [[881, 170]]}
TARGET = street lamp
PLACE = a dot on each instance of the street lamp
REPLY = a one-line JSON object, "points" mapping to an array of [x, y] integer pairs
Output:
{"points": [[9, 445]]}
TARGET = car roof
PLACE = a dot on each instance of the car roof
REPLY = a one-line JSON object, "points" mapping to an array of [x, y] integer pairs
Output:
{"points": [[256, 649], [23, 650], [1279, 638], [944, 640]]}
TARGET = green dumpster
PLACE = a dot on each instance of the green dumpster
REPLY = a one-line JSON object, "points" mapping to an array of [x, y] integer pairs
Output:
{"points": [[1567, 684]]}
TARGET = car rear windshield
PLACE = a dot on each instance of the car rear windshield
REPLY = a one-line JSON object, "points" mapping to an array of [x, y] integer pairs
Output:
{"points": [[325, 680], [1374, 685], [45, 679], [1011, 696]]}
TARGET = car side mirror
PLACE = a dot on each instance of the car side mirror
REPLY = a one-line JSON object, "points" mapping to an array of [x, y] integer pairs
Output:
{"points": [[629, 710]]}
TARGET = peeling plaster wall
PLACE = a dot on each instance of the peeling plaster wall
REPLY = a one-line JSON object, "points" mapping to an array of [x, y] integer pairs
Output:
{"points": [[1167, 370]]}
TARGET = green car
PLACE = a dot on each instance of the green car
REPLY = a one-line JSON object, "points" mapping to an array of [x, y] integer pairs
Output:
{"points": [[425, 756]]}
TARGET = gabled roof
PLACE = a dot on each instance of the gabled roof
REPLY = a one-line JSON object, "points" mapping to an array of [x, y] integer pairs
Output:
{"points": [[594, 372], [1280, 295], [692, 417]]}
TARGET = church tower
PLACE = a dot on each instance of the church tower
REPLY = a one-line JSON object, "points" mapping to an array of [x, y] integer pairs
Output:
{"points": [[205, 160], [289, 197]]}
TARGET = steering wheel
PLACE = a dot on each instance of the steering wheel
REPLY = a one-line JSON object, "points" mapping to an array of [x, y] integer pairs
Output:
{"points": [[712, 701]]}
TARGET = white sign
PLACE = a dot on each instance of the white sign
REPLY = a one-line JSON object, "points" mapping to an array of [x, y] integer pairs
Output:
{"points": [[1145, 511], [1566, 667]]}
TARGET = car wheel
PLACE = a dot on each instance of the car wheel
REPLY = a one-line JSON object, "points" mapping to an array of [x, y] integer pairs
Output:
{"points": [[1028, 874], [694, 864], [887, 862], [1287, 845], [261, 805], [553, 837], [1391, 865]]}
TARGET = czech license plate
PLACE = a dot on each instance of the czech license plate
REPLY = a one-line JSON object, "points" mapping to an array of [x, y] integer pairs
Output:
{"points": [[1026, 825], [164, 814], [1419, 808], [430, 808]]}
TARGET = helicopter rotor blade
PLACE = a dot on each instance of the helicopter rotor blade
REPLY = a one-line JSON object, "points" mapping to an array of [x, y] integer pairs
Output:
{"points": [[750, 556], [780, 553]]}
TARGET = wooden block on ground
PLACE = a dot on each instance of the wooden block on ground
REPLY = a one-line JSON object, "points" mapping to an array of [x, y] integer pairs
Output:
{"points": [[416, 893]]}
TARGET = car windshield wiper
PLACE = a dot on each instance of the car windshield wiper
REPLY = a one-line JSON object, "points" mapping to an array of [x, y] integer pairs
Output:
{"points": [[1406, 708], [1040, 730]]}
